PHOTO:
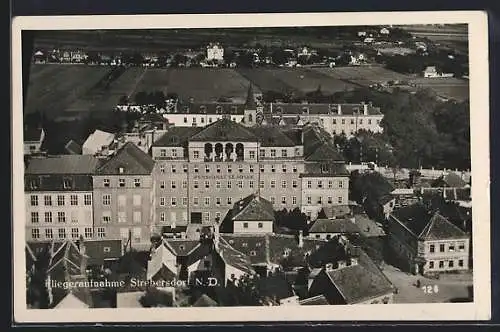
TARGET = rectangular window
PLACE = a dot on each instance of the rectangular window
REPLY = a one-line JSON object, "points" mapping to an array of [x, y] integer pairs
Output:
{"points": [[106, 217], [294, 200], [461, 263], [173, 201], [294, 169], [162, 184], [184, 201], [74, 216], [73, 200], [320, 200], [273, 183], [441, 264], [163, 152], [34, 217], [340, 200], [450, 263], [174, 153], [162, 201], [217, 201], [229, 201], [185, 168], [431, 265], [217, 168], [173, 184], [343, 121], [272, 200], [122, 217], [106, 199], [294, 183], [48, 217], [195, 201], [173, 169], [262, 153], [432, 248], [284, 153], [34, 200], [250, 168], [260, 225], [273, 169], [283, 200], [330, 200], [229, 184], [245, 225], [163, 217], [251, 154], [283, 168], [195, 184], [251, 184], [60, 200], [75, 233], [273, 153], [309, 184], [121, 182], [341, 184], [441, 248], [88, 232], [105, 182], [207, 184], [261, 184], [207, 168], [162, 168], [320, 184], [35, 233], [229, 169], [283, 184], [461, 246], [61, 232], [61, 217], [369, 121], [137, 182], [352, 121], [240, 168], [451, 248], [240, 184], [49, 234], [196, 154], [207, 216], [137, 217], [207, 201], [309, 200], [101, 232], [261, 168]]}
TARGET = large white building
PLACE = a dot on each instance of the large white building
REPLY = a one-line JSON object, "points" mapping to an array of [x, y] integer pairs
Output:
{"points": [[215, 52]]}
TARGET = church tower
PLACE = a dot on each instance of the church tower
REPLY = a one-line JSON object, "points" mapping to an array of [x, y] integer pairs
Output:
{"points": [[250, 112]]}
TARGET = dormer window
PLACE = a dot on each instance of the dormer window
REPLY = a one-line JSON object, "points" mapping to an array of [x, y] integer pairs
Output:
{"points": [[34, 184], [186, 109], [234, 109], [279, 110], [67, 183], [218, 109], [121, 170], [203, 109], [174, 139], [324, 168], [305, 110]]}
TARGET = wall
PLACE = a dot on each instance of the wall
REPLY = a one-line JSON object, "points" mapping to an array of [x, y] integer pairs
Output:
{"points": [[253, 227], [78, 216], [322, 189], [456, 255], [382, 299]]}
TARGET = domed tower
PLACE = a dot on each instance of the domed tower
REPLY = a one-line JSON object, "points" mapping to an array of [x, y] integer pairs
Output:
{"points": [[250, 112]]}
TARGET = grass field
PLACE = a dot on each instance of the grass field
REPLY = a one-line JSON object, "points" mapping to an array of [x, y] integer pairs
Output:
{"points": [[375, 74], [202, 84], [455, 88], [54, 88]]}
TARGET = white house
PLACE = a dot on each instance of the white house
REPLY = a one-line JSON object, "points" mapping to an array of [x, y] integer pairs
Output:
{"points": [[97, 142], [384, 31], [33, 139]]}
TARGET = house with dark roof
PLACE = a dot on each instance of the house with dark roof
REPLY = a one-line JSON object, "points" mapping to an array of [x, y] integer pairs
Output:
{"points": [[276, 290], [123, 197], [326, 229], [426, 242], [33, 139], [59, 197], [253, 214], [449, 180]]}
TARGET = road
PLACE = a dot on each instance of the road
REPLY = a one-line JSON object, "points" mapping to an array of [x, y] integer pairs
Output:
{"points": [[452, 288]]}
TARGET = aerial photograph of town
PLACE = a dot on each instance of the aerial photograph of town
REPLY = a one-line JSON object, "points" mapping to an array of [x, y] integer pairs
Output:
{"points": [[270, 166]]}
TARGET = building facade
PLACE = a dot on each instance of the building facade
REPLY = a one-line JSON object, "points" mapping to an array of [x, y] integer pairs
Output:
{"points": [[124, 197], [59, 197], [215, 52]]}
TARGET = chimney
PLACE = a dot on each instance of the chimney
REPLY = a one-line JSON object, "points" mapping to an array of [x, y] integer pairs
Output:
{"points": [[301, 239]]}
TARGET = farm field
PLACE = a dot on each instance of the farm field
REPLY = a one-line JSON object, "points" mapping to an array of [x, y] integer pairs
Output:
{"points": [[363, 75], [56, 87], [201, 84], [297, 80], [446, 87]]}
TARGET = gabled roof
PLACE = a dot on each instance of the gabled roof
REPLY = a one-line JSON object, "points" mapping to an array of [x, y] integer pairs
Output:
{"points": [[100, 250], [368, 227], [253, 208], [182, 247], [325, 169], [177, 136], [440, 228], [69, 257], [235, 258], [250, 101], [269, 136], [133, 160], [205, 301], [97, 140], [340, 226], [274, 287], [224, 130], [63, 164]]}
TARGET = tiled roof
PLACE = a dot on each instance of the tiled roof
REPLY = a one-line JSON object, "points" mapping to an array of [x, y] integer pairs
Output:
{"points": [[301, 108], [368, 227], [271, 136], [235, 258], [177, 136], [440, 228], [211, 108], [337, 211], [224, 130], [325, 169], [327, 252], [357, 284], [73, 148], [133, 160], [254, 246], [341, 226], [253, 208], [182, 247], [100, 250], [32, 134], [63, 164], [274, 287], [318, 145]]}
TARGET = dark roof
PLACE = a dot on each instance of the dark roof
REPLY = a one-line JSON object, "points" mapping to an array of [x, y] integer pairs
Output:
{"points": [[341, 226], [300, 108], [72, 147], [426, 224], [182, 247], [367, 226], [211, 108], [270, 136], [69, 258], [152, 117], [373, 184], [235, 258], [254, 246], [177, 136], [315, 300], [63, 164], [274, 287], [205, 301], [356, 283], [253, 208], [100, 250], [133, 160], [319, 146], [224, 130], [250, 101], [327, 252], [450, 180], [324, 169], [385, 199], [32, 134]]}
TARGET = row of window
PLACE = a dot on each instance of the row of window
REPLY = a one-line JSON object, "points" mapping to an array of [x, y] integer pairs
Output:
{"points": [[451, 247], [122, 217], [259, 225], [320, 200], [62, 233], [251, 168], [173, 216], [450, 264], [121, 182], [122, 200], [202, 119], [342, 121], [60, 200], [219, 201], [49, 217], [251, 154]]}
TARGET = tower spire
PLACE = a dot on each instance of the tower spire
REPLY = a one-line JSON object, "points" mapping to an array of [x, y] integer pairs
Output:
{"points": [[250, 102]]}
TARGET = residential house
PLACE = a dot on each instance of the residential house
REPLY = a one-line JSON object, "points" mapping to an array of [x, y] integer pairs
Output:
{"points": [[98, 143], [215, 52], [432, 72], [326, 229], [59, 197], [33, 140], [39, 57], [124, 196], [276, 290], [426, 242], [253, 214], [384, 31]]}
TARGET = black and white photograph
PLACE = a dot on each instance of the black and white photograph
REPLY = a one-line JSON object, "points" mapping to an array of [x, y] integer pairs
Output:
{"points": [[322, 167]]}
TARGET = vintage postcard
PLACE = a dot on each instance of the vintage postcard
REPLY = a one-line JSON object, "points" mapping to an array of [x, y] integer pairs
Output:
{"points": [[260, 167]]}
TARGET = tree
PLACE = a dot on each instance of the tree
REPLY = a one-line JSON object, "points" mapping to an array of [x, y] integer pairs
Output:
{"points": [[123, 100], [141, 98], [154, 297]]}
